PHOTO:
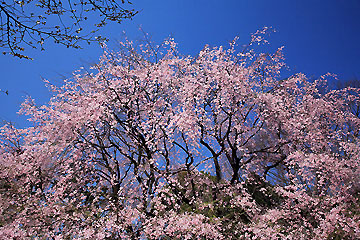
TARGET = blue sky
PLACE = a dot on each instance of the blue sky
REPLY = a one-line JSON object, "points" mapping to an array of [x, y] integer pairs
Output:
{"points": [[319, 37]]}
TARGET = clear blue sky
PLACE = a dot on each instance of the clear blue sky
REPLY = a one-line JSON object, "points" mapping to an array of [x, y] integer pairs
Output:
{"points": [[319, 37]]}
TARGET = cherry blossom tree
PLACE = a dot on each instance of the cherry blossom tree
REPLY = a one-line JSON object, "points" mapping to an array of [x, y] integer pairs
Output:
{"points": [[150, 144]]}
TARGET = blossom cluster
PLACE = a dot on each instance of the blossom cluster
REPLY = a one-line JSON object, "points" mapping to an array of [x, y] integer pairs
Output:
{"points": [[150, 144]]}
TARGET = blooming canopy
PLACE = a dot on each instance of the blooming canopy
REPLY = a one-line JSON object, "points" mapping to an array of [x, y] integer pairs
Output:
{"points": [[150, 144]]}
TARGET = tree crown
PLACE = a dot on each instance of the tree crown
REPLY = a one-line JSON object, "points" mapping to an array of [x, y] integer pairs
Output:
{"points": [[153, 145]]}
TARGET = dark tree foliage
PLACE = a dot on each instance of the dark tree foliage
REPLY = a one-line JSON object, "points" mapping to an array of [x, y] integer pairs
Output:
{"points": [[29, 23]]}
